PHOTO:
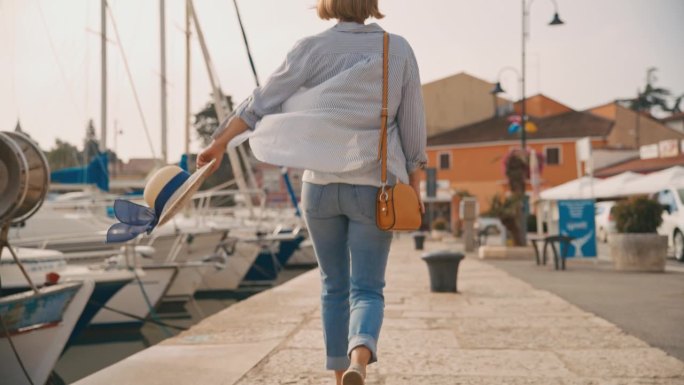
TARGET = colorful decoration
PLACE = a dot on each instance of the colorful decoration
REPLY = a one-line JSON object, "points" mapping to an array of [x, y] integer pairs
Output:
{"points": [[514, 127], [514, 119], [531, 128]]}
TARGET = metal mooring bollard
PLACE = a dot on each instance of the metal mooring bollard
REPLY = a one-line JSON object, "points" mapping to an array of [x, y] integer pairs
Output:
{"points": [[443, 268], [418, 240]]}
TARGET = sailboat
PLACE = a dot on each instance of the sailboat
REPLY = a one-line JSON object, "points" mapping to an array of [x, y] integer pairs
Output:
{"points": [[36, 327], [35, 324], [39, 263], [277, 245]]}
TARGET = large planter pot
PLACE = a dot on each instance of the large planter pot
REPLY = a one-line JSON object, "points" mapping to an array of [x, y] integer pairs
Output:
{"points": [[638, 252]]}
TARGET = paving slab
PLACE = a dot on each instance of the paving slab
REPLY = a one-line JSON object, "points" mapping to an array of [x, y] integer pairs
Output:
{"points": [[497, 330], [649, 306], [174, 364]]}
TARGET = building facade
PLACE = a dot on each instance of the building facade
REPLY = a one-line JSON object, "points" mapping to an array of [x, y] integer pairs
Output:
{"points": [[459, 100], [471, 158], [632, 130]]}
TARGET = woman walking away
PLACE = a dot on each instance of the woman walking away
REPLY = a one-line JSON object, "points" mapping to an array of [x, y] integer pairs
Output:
{"points": [[324, 103]]}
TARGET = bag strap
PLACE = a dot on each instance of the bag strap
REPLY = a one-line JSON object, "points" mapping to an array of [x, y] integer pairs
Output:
{"points": [[382, 146]]}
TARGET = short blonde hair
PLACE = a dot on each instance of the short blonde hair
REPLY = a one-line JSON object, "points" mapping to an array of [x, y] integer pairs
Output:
{"points": [[348, 10]]}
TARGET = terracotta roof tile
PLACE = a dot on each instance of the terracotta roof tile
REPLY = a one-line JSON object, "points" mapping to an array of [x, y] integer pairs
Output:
{"points": [[643, 166], [572, 124], [677, 116]]}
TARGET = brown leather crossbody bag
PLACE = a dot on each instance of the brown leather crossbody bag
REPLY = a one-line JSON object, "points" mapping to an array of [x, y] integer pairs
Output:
{"points": [[397, 207]]}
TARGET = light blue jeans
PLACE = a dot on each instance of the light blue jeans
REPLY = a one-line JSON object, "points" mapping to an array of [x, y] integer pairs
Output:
{"points": [[352, 256]]}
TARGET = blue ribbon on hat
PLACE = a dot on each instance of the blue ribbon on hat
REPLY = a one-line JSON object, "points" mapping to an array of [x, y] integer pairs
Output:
{"points": [[136, 219]]}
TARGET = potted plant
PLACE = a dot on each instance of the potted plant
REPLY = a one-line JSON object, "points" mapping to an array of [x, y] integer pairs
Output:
{"points": [[505, 208], [439, 228], [637, 246]]}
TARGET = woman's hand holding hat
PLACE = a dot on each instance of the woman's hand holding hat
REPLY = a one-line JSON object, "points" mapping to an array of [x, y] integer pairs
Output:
{"points": [[168, 190], [217, 148], [214, 151]]}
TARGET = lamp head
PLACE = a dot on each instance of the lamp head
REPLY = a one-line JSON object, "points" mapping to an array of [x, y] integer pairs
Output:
{"points": [[497, 89], [556, 20]]}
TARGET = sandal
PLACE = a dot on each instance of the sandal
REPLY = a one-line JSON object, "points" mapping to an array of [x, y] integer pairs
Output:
{"points": [[355, 375]]}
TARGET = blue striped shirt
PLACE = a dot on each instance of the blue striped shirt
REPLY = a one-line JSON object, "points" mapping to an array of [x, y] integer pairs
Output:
{"points": [[317, 59]]}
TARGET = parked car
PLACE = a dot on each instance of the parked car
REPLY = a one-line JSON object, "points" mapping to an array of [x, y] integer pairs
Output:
{"points": [[605, 223], [673, 219], [490, 231]]}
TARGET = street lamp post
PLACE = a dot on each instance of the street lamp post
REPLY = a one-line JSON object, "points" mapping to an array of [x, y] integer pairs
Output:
{"points": [[526, 5], [525, 34], [523, 113]]}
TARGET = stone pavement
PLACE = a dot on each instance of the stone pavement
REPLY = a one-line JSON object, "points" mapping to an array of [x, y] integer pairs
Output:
{"points": [[497, 330]]}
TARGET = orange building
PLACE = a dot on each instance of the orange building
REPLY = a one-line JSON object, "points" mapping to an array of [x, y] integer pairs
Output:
{"points": [[541, 106], [471, 157], [467, 142]]}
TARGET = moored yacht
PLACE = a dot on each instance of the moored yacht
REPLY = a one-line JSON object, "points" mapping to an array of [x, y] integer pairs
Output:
{"points": [[40, 263], [39, 325]]}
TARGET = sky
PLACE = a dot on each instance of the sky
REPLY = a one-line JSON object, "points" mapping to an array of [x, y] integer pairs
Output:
{"points": [[50, 55]]}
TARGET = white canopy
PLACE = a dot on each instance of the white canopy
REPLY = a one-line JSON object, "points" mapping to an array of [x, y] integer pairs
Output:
{"points": [[615, 185], [651, 183], [575, 189]]}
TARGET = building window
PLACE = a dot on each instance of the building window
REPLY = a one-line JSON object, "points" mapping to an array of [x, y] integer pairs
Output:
{"points": [[553, 156], [444, 161]]}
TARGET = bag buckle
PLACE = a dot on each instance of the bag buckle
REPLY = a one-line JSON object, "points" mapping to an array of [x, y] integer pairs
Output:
{"points": [[384, 195]]}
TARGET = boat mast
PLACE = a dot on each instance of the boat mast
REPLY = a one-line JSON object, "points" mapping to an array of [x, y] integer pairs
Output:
{"points": [[187, 82], [103, 74], [162, 30], [221, 112], [251, 179], [244, 38]]}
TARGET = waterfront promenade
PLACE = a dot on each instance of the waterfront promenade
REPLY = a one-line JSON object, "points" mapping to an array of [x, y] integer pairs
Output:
{"points": [[497, 330]]}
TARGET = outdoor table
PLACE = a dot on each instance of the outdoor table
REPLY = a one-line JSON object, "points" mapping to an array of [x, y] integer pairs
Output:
{"points": [[553, 240]]}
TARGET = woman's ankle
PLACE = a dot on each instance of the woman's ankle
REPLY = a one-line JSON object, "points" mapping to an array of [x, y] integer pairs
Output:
{"points": [[361, 355]]}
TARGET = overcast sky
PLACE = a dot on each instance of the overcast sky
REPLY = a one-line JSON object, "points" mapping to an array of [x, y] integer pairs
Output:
{"points": [[50, 55]]}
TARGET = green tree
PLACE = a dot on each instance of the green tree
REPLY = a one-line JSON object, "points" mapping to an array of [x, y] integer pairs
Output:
{"points": [[91, 146], [63, 155], [653, 98], [676, 107], [206, 121]]}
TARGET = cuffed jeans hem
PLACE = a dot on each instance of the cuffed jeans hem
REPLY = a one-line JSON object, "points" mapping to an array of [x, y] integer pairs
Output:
{"points": [[337, 363], [367, 341]]}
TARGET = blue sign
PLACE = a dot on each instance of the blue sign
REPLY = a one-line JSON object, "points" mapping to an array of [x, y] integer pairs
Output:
{"points": [[577, 220]]}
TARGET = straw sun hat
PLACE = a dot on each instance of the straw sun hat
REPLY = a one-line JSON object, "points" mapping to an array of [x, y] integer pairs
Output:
{"points": [[166, 192]]}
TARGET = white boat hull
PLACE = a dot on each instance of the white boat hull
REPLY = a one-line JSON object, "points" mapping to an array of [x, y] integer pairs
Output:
{"points": [[236, 266], [304, 256], [41, 347], [187, 252], [188, 280], [155, 281], [205, 244], [36, 262]]}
